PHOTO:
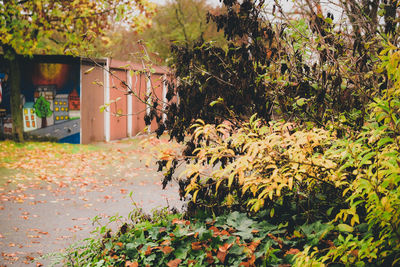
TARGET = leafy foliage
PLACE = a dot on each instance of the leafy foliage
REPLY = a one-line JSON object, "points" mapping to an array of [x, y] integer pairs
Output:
{"points": [[370, 167], [61, 26], [303, 70], [42, 108], [232, 239], [259, 165]]}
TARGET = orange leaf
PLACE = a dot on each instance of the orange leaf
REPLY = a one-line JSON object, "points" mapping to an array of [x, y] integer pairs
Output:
{"points": [[166, 249], [276, 239], [224, 232], [354, 252], [174, 263], [221, 256], [191, 262], [177, 221], [253, 245], [225, 247], [252, 260], [222, 251], [215, 230], [166, 242], [148, 251], [292, 251], [196, 245], [210, 258], [131, 264]]}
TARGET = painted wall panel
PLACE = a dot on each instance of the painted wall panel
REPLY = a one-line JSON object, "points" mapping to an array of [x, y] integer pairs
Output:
{"points": [[47, 85]]}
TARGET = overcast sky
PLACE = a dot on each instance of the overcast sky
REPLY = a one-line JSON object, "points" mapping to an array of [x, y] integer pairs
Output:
{"points": [[287, 5]]}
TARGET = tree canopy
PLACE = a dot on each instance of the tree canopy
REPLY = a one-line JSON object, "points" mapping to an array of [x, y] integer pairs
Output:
{"points": [[175, 22], [45, 26]]}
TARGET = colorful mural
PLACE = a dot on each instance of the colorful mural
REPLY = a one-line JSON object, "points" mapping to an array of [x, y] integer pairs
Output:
{"points": [[50, 93]]}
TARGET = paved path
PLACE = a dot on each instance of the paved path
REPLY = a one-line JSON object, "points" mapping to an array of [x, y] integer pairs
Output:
{"points": [[43, 211]]}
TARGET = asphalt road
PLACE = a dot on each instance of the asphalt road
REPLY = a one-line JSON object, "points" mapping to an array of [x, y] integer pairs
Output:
{"points": [[42, 213]]}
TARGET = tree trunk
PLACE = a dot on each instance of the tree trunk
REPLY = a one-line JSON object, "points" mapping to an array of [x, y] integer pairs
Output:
{"points": [[44, 122], [15, 99]]}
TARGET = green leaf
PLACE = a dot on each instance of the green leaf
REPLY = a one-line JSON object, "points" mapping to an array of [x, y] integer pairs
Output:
{"points": [[345, 228], [300, 102], [384, 141]]}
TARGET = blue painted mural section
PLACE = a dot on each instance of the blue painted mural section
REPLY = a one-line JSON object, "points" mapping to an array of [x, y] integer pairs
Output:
{"points": [[55, 82]]}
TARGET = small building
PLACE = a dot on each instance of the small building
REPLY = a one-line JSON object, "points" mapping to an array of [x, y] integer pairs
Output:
{"points": [[7, 125], [61, 107], [29, 116]]}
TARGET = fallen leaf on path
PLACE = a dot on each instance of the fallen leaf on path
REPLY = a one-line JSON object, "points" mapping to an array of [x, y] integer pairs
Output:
{"points": [[123, 191], [80, 219], [30, 258], [63, 237], [43, 233]]}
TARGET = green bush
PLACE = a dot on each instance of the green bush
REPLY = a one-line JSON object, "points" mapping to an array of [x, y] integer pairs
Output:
{"points": [[369, 165], [231, 239]]}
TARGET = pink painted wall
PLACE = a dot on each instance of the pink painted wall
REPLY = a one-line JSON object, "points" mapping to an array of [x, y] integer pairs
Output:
{"points": [[157, 87], [92, 97], [118, 122], [138, 107]]}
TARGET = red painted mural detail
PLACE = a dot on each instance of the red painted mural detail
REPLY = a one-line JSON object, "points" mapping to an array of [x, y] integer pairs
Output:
{"points": [[50, 74], [74, 100]]}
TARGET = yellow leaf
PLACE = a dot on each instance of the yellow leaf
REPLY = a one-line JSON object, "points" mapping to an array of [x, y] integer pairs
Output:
{"points": [[169, 164], [89, 70], [195, 195], [230, 180], [290, 183]]}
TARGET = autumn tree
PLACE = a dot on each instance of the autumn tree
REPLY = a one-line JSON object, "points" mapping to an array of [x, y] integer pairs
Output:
{"points": [[42, 110], [176, 21], [58, 27]]}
